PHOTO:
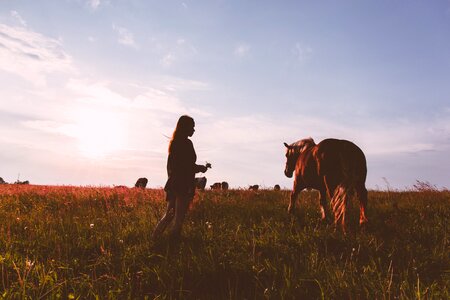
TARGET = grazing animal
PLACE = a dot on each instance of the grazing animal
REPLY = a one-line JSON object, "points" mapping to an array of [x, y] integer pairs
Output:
{"points": [[200, 183], [216, 186], [21, 182], [120, 187], [276, 187], [224, 185], [141, 183], [334, 167], [220, 186], [254, 187]]}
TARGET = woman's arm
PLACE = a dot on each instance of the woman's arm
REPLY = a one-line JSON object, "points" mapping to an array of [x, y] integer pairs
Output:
{"points": [[200, 168]]}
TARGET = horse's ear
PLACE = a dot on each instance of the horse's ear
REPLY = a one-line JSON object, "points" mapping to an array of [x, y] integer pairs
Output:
{"points": [[287, 146]]}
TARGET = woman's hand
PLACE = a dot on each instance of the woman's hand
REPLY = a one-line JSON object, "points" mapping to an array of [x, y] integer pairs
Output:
{"points": [[202, 169]]}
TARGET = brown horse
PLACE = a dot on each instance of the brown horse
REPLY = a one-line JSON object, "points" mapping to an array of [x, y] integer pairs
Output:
{"points": [[334, 167]]}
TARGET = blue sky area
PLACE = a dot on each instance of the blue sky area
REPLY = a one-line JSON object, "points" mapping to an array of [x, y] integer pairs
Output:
{"points": [[90, 91]]}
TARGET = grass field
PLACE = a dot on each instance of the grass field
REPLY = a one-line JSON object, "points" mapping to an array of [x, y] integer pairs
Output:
{"points": [[81, 242]]}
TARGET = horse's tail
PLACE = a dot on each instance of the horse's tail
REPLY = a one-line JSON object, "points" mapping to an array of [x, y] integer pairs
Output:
{"points": [[340, 202]]}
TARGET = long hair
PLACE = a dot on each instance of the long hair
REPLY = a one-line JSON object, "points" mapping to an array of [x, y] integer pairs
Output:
{"points": [[184, 124]]}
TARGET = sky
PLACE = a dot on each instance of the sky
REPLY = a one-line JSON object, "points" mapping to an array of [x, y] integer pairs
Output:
{"points": [[91, 90]]}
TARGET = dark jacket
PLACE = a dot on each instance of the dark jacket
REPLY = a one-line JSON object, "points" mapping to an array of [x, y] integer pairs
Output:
{"points": [[181, 168]]}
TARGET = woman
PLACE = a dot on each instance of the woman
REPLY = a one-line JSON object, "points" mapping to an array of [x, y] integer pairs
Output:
{"points": [[181, 169]]}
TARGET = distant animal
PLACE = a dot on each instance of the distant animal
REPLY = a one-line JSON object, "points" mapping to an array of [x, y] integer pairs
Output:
{"points": [[141, 183], [224, 185], [254, 187], [276, 187], [200, 183], [22, 182], [220, 186], [216, 186], [2, 181], [120, 187], [334, 167]]}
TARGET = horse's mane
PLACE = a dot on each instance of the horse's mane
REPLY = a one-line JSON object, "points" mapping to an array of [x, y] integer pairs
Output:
{"points": [[304, 144]]}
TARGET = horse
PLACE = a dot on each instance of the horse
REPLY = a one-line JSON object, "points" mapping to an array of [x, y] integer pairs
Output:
{"points": [[336, 168]]}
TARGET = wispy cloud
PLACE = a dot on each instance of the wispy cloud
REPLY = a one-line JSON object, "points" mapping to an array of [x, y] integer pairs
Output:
{"points": [[168, 59], [125, 37], [175, 84], [16, 16], [161, 97], [31, 55], [301, 52], [241, 50], [93, 4], [177, 51]]}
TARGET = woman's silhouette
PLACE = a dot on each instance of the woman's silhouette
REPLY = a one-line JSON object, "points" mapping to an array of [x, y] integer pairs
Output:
{"points": [[181, 169]]}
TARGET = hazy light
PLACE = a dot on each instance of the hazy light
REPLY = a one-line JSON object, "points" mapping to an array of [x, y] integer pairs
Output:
{"points": [[98, 133]]}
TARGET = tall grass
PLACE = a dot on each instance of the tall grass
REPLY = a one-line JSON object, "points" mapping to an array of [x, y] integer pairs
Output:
{"points": [[74, 242]]}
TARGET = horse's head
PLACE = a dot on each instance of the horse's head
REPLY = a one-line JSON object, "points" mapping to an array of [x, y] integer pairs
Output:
{"points": [[293, 151], [291, 160]]}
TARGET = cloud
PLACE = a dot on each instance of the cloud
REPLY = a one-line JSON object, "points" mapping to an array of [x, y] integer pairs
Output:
{"points": [[176, 84], [302, 53], [48, 126], [32, 55], [102, 95], [93, 4], [168, 59], [96, 92], [125, 37], [161, 96], [177, 51], [15, 15], [241, 50]]}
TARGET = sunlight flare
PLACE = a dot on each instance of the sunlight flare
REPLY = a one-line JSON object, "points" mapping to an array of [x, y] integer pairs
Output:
{"points": [[99, 133]]}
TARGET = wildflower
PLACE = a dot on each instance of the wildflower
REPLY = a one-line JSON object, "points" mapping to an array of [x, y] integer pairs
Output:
{"points": [[29, 263], [208, 224], [91, 225]]}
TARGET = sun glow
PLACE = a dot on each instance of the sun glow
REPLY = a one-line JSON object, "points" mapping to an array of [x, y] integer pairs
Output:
{"points": [[99, 133]]}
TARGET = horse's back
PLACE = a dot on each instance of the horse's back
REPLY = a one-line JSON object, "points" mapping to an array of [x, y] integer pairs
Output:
{"points": [[341, 158]]}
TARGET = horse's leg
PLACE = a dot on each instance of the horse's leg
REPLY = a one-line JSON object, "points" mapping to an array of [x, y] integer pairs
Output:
{"points": [[295, 191], [361, 193], [291, 206], [323, 204]]}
